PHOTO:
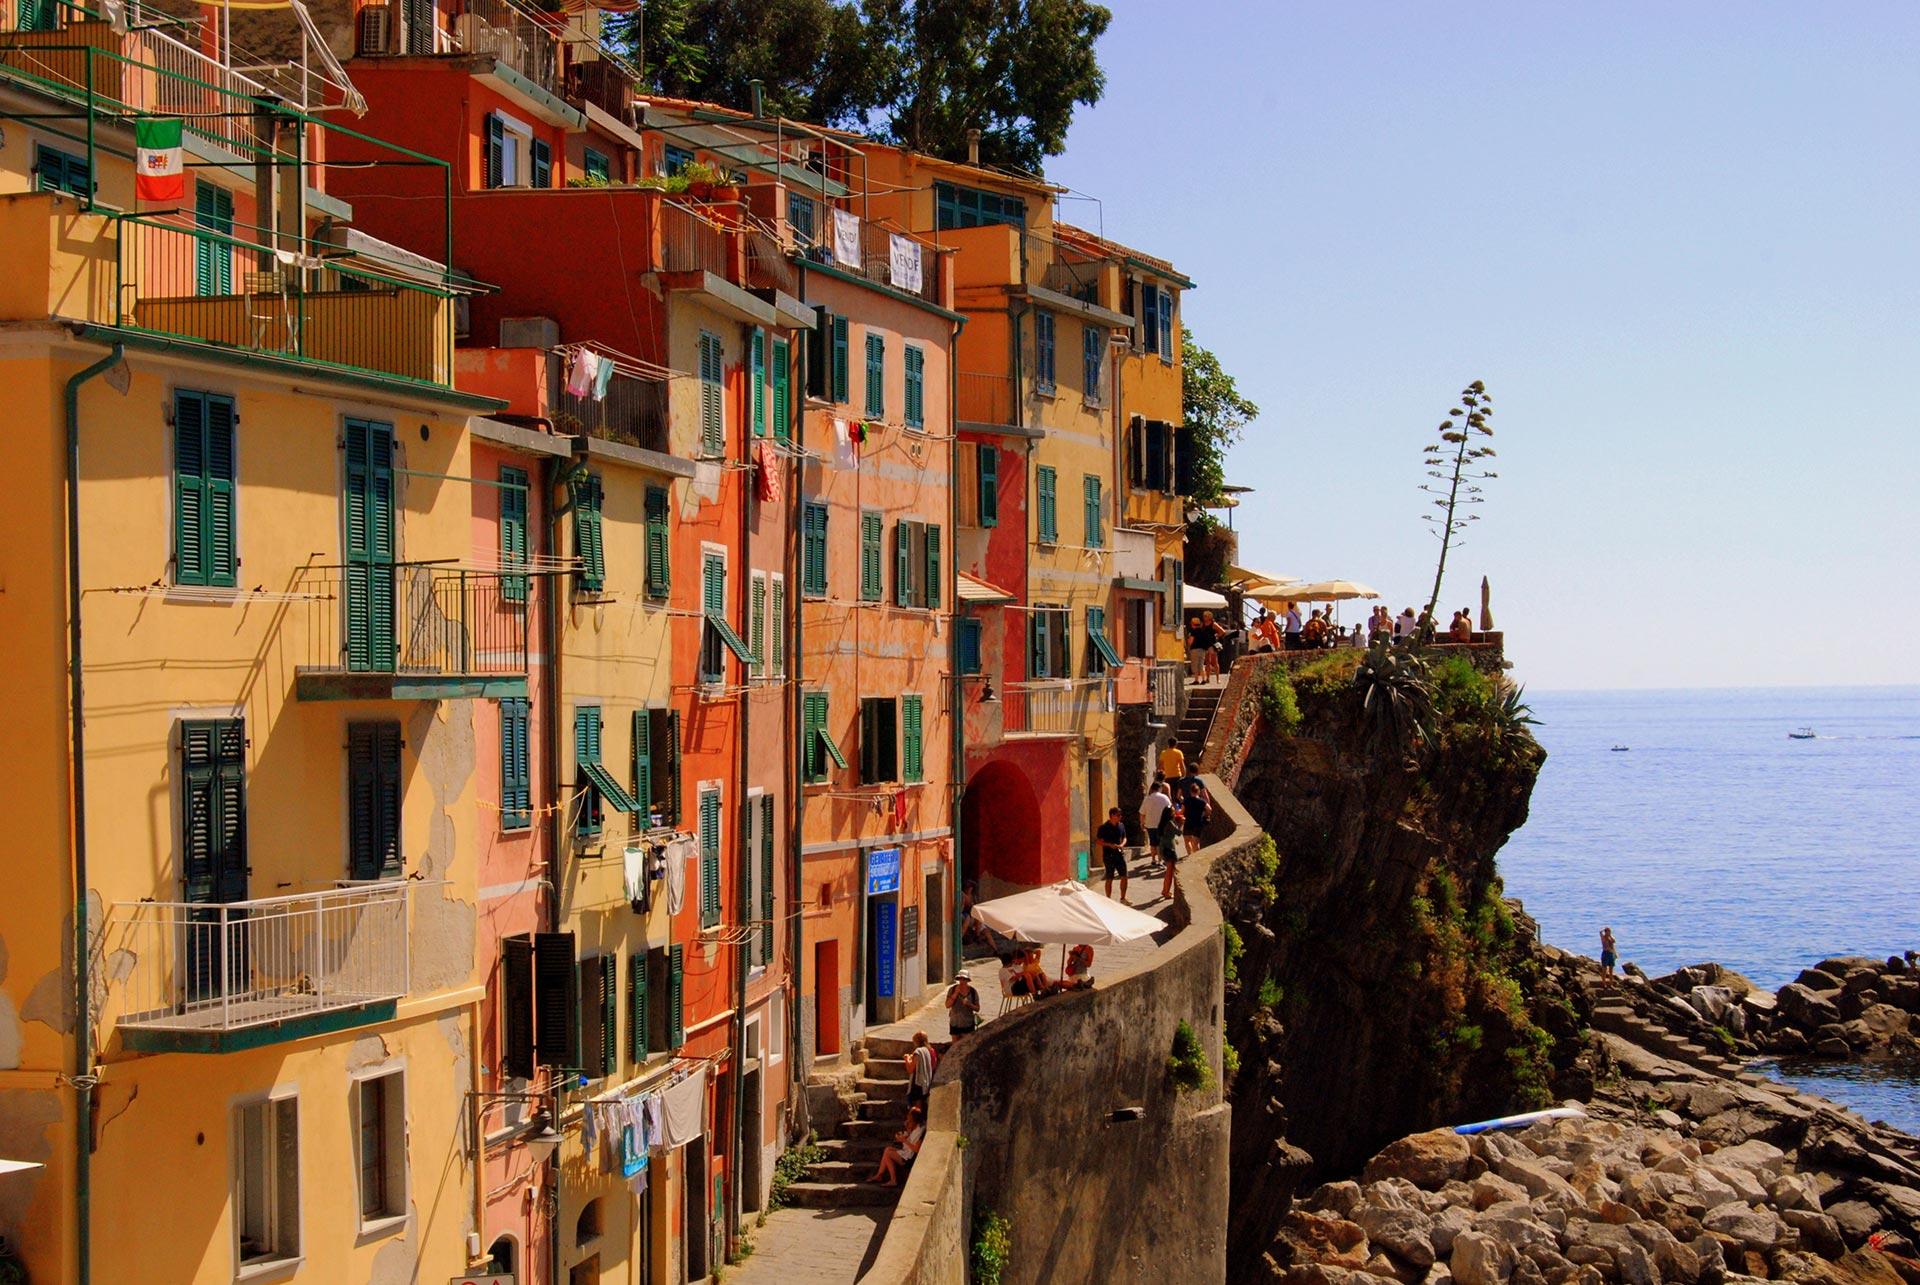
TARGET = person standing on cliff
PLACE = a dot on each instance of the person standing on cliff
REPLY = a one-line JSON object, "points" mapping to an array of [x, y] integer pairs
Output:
{"points": [[1608, 955]]}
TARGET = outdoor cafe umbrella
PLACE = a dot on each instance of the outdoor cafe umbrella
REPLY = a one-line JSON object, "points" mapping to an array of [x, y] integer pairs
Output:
{"points": [[1319, 591], [1068, 913], [1246, 578]]}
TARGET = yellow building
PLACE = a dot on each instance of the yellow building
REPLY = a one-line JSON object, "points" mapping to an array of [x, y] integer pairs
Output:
{"points": [[248, 642]]}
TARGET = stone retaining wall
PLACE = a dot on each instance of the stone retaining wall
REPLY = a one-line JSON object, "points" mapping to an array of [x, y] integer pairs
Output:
{"points": [[1062, 1117]]}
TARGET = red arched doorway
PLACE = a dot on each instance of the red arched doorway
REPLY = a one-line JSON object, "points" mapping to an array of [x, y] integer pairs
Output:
{"points": [[1001, 831]]}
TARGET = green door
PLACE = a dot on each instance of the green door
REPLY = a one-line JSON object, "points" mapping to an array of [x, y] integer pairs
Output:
{"points": [[213, 814], [369, 570]]}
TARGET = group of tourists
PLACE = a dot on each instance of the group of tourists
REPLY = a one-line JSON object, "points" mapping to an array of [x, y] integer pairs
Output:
{"points": [[1206, 639], [1383, 626], [1294, 632]]}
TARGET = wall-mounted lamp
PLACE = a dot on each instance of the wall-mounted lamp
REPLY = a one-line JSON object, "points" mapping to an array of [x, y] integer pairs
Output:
{"points": [[987, 695], [545, 1142]]}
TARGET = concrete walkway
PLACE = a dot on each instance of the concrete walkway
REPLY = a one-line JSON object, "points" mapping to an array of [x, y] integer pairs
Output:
{"points": [[833, 1246]]}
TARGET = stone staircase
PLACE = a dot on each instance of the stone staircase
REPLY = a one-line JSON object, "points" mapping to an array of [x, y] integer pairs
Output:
{"points": [[1615, 1014], [1202, 703], [839, 1181]]}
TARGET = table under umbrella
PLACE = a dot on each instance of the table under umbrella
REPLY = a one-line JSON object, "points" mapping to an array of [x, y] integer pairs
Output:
{"points": [[1066, 914]]}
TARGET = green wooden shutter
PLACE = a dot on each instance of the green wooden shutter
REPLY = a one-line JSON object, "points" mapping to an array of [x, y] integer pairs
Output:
{"points": [[541, 154], [1090, 497], [1043, 351], [213, 807], [373, 793], [516, 1002], [757, 623], [902, 563], [814, 537], [587, 545], [930, 585], [876, 375], [659, 549], [870, 563], [1047, 514], [813, 727], [671, 812], [779, 627], [676, 997], [204, 490], [989, 473], [586, 749], [1037, 645], [516, 792], [713, 440], [637, 1008], [212, 257], [839, 359], [709, 858], [782, 390], [513, 532], [1166, 326], [910, 732], [643, 765], [609, 1013], [713, 603], [966, 644], [496, 151], [916, 387], [757, 374], [766, 878], [820, 355]]}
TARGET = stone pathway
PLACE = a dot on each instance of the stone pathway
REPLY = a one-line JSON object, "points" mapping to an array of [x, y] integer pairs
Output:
{"points": [[817, 1246]]}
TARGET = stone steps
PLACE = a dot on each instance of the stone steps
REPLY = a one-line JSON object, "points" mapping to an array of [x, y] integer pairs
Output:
{"points": [[855, 1150], [885, 1048], [884, 1110], [840, 1195], [883, 1068], [881, 1131], [883, 1090]]}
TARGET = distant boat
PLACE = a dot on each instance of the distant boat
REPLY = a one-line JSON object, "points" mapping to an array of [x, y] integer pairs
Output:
{"points": [[1801, 734], [1620, 749]]}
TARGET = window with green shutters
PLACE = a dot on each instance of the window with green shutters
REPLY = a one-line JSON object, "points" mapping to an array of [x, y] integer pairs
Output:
{"points": [[1093, 351], [766, 878], [38, 15], [513, 532], [871, 524], [911, 766], [930, 580], [819, 752], [597, 165], [600, 985], [586, 493], [916, 368], [757, 623], [839, 359], [757, 376], [213, 809], [876, 375], [1090, 499], [1166, 327], [58, 171], [988, 458], [540, 152], [1047, 643], [778, 626], [879, 739], [676, 997], [813, 549], [496, 151], [637, 1014], [908, 546], [713, 602], [966, 644], [1046, 511], [782, 390], [212, 257], [373, 800], [1043, 351], [516, 759], [586, 749], [369, 500], [204, 484], [658, 541], [713, 435], [656, 766], [1150, 317], [709, 858], [1101, 654]]}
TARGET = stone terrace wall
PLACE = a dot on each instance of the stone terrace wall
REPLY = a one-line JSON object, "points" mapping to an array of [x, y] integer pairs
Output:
{"points": [[1023, 1122]]}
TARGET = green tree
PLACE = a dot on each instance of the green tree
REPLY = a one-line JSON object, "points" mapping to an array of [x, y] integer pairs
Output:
{"points": [[814, 58], [1454, 483], [1012, 69], [1215, 414]]}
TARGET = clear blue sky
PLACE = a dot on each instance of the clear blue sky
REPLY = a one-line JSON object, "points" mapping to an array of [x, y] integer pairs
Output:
{"points": [[1680, 242]]}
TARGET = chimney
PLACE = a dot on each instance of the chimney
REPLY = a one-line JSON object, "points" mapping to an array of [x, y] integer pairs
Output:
{"points": [[756, 97], [973, 147]]}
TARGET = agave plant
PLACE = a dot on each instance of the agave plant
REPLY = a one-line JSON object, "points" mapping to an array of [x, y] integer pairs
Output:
{"points": [[1395, 696], [1513, 711]]}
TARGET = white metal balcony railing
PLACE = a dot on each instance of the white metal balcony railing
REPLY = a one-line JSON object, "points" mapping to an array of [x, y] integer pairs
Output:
{"points": [[209, 968], [1053, 707]]}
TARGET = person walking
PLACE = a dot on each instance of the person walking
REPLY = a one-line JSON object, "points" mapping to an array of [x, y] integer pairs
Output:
{"points": [[920, 1060], [1169, 843], [963, 1005], [1609, 954], [1194, 813], [1173, 762], [1153, 811], [1113, 847]]}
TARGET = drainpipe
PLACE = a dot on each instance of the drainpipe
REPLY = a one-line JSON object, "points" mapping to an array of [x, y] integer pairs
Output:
{"points": [[550, 734], [796, 753], [77, 786], [957, 711], [742, 866]]}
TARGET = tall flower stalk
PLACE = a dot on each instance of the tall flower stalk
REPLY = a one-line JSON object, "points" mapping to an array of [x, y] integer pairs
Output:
{"points": [[1456, 465]]}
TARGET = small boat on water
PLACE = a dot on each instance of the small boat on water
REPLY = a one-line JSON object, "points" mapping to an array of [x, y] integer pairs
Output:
{"points": [[1801, 734], [1620, 749]]}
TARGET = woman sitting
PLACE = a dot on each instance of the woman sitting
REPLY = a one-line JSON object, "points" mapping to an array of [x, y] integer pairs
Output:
{"points": [[906, 1145], [1032, 979], [1079, 969]]}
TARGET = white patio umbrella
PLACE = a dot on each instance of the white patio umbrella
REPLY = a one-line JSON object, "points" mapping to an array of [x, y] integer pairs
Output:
{"points": [[1068, 913], [1319, 591]]}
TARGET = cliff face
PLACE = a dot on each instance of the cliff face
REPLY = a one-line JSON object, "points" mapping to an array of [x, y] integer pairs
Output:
{"points": [[1383, 986]]}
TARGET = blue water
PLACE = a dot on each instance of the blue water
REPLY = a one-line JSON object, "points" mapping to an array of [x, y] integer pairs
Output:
{"points": [[1717, 837]]}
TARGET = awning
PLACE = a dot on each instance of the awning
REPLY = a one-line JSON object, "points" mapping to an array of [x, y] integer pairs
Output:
{"points": [[1195, 596], [1248, 578], [979, 593], [610, 789]]}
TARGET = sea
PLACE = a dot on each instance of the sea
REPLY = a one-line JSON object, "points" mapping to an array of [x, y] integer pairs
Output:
{"points": [[1696, 827]]}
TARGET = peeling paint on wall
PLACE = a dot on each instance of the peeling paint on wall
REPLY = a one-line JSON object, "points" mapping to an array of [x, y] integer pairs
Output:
{"points": [[27, 1120], [51, 1000], [398, 1262], [368, 1050], [444, 929]]}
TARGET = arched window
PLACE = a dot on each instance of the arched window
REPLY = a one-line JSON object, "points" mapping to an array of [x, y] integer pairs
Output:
{"points": [[503, 1255], [588, 1227]]}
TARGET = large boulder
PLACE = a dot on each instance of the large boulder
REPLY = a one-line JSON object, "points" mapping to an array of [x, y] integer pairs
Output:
{"points": [[1316, 1238], [1407, 1234], [1754, 1229], [1885, 1021], [1480, 1259], [1710, 1002], [1807, 1008], [1429, 1159], [1818, 979]]}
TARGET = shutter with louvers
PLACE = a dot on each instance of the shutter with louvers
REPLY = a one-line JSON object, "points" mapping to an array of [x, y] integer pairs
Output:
{"points": [[516, 792], [1150, 317], [556, 1000], [586, 749], [1137, 451], [369, 504], [870, 564], [814, 563], [496, 151], [513, 532], [779, 627], [667, 758], [782, 391], [373, 793], [839, 359], [643, 765], [609, 1014], [637, 1008], [542, 153], [1037, 645], [902, 563], [713, 439], [221, 561], [676, 1006], [989, 486], [516, 1005], [1184, 460], [713, 603], [766, 878], [1090, 498], [930, 585], [910, 728], [709, 858], [587, 545], [204, 490], [876, 375], [916, 387], [966, 644], [212, 257], [1166, 326], [659, 550], [820, 355], [757, 375], [213, 809], [757, 622], [1046, 512]]}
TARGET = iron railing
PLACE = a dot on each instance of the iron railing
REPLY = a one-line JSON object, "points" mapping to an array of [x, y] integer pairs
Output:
{"points": [[985, 398], [633, 411], [419, 619], [1061, 707], [513, 37], [690, 243], [200, 966], [1164, 681], [298, 299]]}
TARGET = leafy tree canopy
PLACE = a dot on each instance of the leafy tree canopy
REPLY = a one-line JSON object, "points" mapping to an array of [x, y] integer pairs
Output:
{"points": [[1215, 412], [920, 73]]}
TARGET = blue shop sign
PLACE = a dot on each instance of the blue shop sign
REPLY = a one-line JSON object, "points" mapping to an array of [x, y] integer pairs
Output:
{"points": [[886, 947], [883, 871]]}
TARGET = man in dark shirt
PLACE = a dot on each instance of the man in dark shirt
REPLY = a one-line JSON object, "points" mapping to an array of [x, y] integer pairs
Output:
{"points": [[1113, 846]]}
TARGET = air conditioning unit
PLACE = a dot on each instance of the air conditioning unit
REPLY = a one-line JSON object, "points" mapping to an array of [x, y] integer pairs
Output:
{"points": [[376, 29]]}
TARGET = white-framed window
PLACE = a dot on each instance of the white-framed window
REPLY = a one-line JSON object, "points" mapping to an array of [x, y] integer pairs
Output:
{"points": [[380, 1147], [777, 625], [266, 1183], [776, 1027]]}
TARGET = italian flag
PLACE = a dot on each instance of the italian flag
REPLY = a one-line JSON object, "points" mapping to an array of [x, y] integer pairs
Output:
{"points": [[159, 172]]}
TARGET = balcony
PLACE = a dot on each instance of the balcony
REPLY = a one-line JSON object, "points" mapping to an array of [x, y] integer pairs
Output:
{"points": [[915, 272], [412, 631], [985, 399], [633, 412], [217, 978], [1052, 707]]}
